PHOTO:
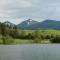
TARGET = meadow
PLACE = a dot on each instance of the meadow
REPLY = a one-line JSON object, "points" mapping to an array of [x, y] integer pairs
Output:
{"points": [[32, 37]]}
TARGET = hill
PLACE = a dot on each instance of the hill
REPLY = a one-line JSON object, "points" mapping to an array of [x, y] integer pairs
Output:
{"points": [[9, 24], [47, 24]]}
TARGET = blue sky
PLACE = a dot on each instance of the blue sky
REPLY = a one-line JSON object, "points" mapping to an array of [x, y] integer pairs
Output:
{"points": [[19, 10]]}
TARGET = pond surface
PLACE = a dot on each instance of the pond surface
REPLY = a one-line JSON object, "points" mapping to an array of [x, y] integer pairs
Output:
{"points": [[30, 52]]}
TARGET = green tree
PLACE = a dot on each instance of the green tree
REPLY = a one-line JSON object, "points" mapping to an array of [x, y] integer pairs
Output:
{"points": [[47, 37], [29, 36], [55, 39], [36, 34], [42, 36], [7, 40], [3, 29], [23, 34], [0, 27]]}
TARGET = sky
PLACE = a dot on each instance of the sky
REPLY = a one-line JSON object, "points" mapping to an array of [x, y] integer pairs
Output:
{"points": [[17, 11]]}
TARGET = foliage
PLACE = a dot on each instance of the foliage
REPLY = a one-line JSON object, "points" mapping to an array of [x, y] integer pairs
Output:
{"points": [[56, 39], [7, 40], [9, 34]]}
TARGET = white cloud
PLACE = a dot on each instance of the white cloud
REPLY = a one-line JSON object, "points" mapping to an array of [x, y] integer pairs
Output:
{"points": [[6, 13], [8, 7], [15, 3], [14, 20], [24, 4], [36, 9]]}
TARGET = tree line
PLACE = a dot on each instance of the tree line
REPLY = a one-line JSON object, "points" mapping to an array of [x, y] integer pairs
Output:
{"points": [[8, 33]]}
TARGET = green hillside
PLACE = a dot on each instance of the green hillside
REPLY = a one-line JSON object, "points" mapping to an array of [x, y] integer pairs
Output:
{"points": [[47, 24]]}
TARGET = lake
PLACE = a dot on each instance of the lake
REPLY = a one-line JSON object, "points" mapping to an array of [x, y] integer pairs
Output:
{"points": [[30, 52]]}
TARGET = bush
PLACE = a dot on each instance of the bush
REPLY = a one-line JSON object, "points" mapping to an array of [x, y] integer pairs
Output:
{"points": [[7, 40], [56, 39], [47, 37]]}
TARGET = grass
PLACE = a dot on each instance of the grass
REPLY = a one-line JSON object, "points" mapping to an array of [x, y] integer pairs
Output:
{"points": [[26, 41], [18, 41], [11, 41], [48, 31]]}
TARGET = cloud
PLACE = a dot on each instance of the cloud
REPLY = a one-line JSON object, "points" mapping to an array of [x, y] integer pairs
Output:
{"points": [[11, 19], [15, 3], [10, 7], [35, 9], [20, 3]]}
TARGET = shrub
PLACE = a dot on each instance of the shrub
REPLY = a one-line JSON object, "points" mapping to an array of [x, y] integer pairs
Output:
{"points": [[56, 39], [7, 40]]}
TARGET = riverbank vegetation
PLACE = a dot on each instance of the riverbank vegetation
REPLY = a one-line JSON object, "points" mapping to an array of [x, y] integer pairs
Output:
{"points": [[10, 35]]}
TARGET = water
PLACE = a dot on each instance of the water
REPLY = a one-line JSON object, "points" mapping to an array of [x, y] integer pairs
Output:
{"points": [[30, 52]]}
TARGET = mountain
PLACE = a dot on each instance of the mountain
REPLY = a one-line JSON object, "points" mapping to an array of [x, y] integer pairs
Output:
{"points": [[7, 23], [46, 24], [26, 24], [34, 25]]}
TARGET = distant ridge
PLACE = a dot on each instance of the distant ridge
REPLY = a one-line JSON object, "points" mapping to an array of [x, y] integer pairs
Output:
{"points": [[30, 24], [46, 24], [48, 20], [7, 23]]}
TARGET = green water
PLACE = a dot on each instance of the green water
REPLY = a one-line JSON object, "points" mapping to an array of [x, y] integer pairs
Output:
{"points": [[30, 52]]}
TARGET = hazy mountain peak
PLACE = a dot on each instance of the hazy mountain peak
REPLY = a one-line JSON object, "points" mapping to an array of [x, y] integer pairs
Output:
{"points": [[29, 20], [9, 23], [26, 23], [48, 20]]}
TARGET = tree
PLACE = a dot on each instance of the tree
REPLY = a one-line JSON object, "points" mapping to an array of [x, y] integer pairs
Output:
{"points": [[3, 29], [47, 37], [55, 39], [23, 34], [7, 40], [0, 27], [36, 34], [42, 36], [53, 36], [4, 40], [29, 36], [14, 33]]}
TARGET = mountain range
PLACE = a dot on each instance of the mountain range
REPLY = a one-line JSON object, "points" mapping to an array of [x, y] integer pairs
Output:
{"points": [[34, 25]]}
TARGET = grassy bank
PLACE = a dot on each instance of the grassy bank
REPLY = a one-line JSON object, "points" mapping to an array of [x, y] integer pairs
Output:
{"points": [[17, 41], [20, 41], [31, 37]]}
